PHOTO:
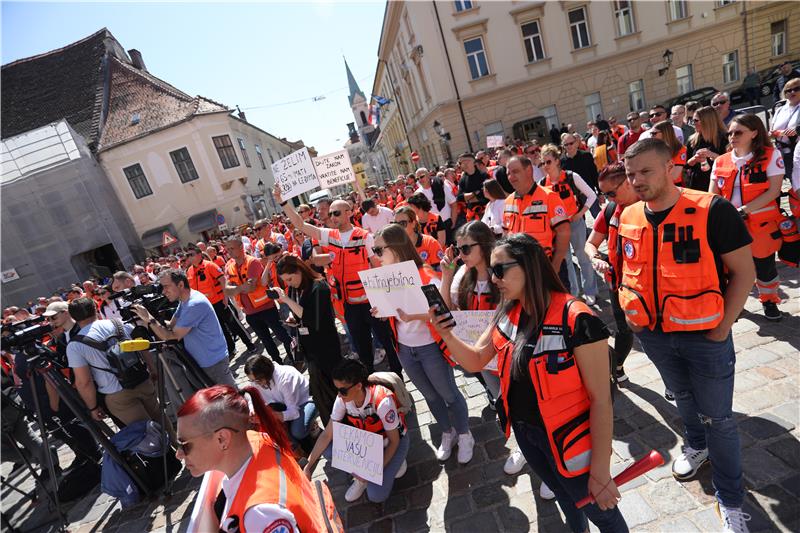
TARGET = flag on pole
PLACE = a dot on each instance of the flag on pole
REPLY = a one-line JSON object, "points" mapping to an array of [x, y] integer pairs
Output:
{"points": [[381, 100], [374, 115]]}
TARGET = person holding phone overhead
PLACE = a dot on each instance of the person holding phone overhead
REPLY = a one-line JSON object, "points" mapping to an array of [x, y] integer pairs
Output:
{"points": [[552, 357], [424, 356]]}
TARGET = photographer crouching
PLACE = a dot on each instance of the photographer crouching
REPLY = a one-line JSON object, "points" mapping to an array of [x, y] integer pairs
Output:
{"points": [[195, 323]]}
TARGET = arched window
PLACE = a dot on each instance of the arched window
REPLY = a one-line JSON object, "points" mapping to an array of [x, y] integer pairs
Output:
{"points": [[363, 118]]}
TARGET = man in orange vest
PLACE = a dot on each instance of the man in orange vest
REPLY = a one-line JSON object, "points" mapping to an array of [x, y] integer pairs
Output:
{"points": [[350, 251], [244, 284], [687, 269], [207, 277]]}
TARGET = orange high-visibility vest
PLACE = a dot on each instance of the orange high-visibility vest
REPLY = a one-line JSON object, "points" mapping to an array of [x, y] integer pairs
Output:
{"points": [[237, 274], [204, 278], [669, 275], [349, 259], [531, 214], [566, 189], [429, 249], [563, 400], [371, 421]]}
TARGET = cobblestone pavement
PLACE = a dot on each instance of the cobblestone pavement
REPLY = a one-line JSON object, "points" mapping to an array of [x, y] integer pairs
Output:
{"points": [[479, 497]]}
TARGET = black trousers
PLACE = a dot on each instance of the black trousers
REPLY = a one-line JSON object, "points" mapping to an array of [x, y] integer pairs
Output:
{"points": [[361, 324], [231, 327], [264, 321], [623, 340]]}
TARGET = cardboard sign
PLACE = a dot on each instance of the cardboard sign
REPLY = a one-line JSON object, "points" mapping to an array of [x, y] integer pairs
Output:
{"points": [[494, 141], [334, 169], [295, 174], [394, 286], [470, 325], [358, 452], [10, 275]]}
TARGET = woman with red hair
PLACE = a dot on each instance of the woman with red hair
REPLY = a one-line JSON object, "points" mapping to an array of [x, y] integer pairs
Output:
{"points": [[247, 463]]}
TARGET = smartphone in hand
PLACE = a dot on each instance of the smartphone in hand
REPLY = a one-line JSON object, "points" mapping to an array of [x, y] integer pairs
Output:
{"points": [[273, 294], [436, 301]]}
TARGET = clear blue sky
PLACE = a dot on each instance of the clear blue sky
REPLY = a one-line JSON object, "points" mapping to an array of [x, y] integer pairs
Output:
{"points": [[250, 54]]}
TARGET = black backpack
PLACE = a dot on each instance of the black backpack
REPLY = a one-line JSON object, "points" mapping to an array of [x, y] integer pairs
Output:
{"points": [[437, 187], [127, 367]]}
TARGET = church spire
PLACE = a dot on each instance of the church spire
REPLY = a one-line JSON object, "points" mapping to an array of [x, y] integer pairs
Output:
{"points": [[352, 84]]}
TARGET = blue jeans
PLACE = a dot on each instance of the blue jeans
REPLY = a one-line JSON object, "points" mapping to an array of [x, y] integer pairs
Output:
{"points": [[362, 325], [298, 428], [577, 238], [380, 493], [433, 376], [533, 444], [700, 373]]}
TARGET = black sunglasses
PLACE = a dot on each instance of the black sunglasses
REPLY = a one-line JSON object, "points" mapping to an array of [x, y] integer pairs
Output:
{"points": [[792, 90], [342, 391], [378, 250], [185, 446], [335, 213], [657, 114], [717, 104], [403, 223], [499, 270], [613, 192], [465, 249]]}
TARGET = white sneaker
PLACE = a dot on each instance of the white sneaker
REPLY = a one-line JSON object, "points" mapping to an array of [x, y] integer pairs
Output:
{"points": [[446, 447], [514, 463], [403, 467], [590, 300], [545, 493], [733, 519], [380, 355], [687, 464], [465, 444], [355, 490]]}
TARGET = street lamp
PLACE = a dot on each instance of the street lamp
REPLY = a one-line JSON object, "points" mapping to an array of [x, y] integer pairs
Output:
{"points": [[263, 188], [667, 57]]}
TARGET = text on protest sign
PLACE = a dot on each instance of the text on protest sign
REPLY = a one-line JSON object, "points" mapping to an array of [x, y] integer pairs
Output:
{"points": [[358, 452], [393, 287], [494, 141], [295, 174], [469, 327], [334, 169]]}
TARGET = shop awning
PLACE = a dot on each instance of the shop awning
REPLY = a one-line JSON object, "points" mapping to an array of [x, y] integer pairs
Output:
{"points": [[153, 238], [203, 221]]}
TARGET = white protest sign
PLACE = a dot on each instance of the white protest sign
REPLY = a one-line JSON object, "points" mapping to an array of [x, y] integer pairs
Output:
{"points": [[494, 141], [295, 174], [334, 169], [395, 287], [469, 327], [358, 452]]}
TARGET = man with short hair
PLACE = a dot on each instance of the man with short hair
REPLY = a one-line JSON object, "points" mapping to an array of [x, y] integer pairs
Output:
{"points": [[786, 73], [581, 162], [721, 102], [375, 216], [470, 187], [500, 171], [681, 245], [591, 139], [122, 281], [630, 136], [658, 113], [678, 116]]}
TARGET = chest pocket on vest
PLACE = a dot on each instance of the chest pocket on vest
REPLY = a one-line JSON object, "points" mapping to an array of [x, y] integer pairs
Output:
{"points": [[757, 175], [685, 248], [535, 219], [563, 190]]}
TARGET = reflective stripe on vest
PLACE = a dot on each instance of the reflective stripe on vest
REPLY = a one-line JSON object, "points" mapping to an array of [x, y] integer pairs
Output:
{"points": [[691, 321], [349, 259], [257, 296]]}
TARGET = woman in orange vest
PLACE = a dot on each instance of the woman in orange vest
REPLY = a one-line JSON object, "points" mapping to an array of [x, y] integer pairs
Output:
{"points": [[663, 130], [750, 176], [552, 356], [217, 440], [423, 356], [427, 247]]}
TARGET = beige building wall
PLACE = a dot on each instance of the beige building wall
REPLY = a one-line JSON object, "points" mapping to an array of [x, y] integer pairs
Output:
{"points": [[233, 192], [516, 90]]}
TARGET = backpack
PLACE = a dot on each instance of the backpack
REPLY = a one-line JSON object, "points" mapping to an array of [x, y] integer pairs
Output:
{"points": [[437, 187], [127, 367], [394, 383]]}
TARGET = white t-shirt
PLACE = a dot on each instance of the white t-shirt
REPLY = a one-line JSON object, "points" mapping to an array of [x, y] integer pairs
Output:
{"points": [[775, 167], [416, 332], [372, 224], [449, 199], [81, 355], [481, 286], [493, 216], [785, 116], [386, 411], [266, 517], [678, 133], [325, 235], [289, 387], [796, 168]]}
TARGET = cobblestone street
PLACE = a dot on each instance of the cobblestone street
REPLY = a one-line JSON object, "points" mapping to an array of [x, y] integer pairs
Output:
{"points": [[479, 497]]}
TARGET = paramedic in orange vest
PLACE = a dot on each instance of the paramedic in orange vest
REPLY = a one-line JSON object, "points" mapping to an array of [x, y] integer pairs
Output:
{"points": [[552, 357], [350, 251], [750, 177], [369, 407], [687, 269], [427, 247], [251, 482], [244, 284], [207, 277], [539, 212]]}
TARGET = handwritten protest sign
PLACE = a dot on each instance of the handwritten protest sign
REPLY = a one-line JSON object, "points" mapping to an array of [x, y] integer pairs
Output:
{"points": [[295, 174], [470, 325], [494, 141], [334, 169], [395, 286], [358, 452]]}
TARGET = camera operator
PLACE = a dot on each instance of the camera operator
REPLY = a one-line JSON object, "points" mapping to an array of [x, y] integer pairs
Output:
{"points": [[122, 280], [194, 322]]}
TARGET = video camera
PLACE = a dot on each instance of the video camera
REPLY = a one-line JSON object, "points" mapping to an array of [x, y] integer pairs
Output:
{"points": [[24, 333], [151, 297]]}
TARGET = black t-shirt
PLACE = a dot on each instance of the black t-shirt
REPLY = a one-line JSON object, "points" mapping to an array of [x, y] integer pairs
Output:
{"points": [[473, 183], [523, 404], [501, 175], [726, 230], [321, 344]]}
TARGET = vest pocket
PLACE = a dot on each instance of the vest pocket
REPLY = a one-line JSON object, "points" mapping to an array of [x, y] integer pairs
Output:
{"points": [[566, 380], [634, 305], [697, 312]]}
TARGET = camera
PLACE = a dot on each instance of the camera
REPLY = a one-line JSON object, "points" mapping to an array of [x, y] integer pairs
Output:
{"points": [[24, 333], [151, 297]]}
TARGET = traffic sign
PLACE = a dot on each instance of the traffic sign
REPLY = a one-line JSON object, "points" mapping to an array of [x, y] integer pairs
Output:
{"points": [[167, 239], [220, 219], [414, 157]]}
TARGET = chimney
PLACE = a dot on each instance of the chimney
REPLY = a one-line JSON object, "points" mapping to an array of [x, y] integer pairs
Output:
{"points": [[136, 59], [241, 114]]}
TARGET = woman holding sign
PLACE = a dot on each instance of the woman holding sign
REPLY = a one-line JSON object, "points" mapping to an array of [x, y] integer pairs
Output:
{"points": [[554, 378], [422, 353]]}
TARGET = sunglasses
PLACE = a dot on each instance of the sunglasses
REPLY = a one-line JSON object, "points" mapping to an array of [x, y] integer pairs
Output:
{"points": [[735, 133], [186, 446], [335, 213], [403, 223], [613, 192], [792, 90], [717, 104], [657, 114], [569, 143], [548, 162], [465, 249], [342, 391], [378, 250], [633, 119], [499, 270], [532, 152]]}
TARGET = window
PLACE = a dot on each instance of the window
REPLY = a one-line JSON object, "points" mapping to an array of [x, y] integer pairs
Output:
{"points": [[730, 67], [636, 95], [183, 164], [269, 153], [137, 180], [683, 76], [244, 152], [550, 115], [476, 57], [579, 28], [623, 13], [495, 128], [227, 155], [593, 106], [260, 157], [463, 5], [677, 9], [778, 31], [532, 39], [723, 3]]}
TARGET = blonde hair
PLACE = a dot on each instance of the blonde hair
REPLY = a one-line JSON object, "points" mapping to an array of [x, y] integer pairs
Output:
{"points": [[552, 150]]}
